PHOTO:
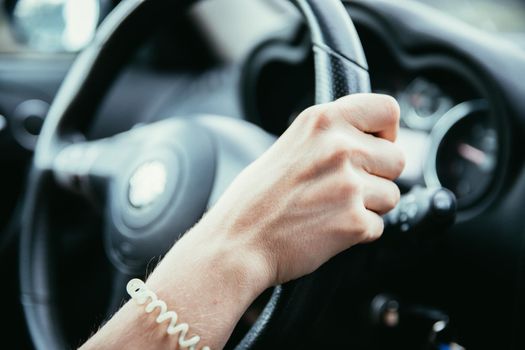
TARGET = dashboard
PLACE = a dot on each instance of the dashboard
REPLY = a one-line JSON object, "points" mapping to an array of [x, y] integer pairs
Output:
{"points": [[457, 131], [451, 141], [450, 130], [504, 16]]}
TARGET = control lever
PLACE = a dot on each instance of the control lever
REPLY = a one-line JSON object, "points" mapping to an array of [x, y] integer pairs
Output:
{"points": [[422, 207], [422, 327]]}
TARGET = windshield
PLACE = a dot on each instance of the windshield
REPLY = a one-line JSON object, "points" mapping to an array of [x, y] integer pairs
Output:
{"points": [[506, 16]]}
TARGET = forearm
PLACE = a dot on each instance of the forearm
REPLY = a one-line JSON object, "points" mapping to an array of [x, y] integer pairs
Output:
{"points": [[320, 189], [208, 282]]}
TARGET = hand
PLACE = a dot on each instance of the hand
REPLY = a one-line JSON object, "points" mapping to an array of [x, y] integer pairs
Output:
{"points": [[320, 189]]}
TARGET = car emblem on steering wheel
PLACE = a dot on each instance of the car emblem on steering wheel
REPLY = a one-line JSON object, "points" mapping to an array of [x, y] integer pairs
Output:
{"points": [[147, 183]]}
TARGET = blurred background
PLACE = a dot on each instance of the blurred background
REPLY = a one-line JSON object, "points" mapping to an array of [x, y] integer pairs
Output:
{"points": [[251, 59]]}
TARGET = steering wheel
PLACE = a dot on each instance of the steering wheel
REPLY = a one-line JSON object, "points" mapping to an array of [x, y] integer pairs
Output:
{"points": [[154, 182]]}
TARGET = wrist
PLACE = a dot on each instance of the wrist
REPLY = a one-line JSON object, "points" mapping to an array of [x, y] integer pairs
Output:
{"points": [[208, 280], [230, 255], [211, 259]]}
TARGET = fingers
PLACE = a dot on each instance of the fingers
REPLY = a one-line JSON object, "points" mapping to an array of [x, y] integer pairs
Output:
{"points": [[349, 161], [375, 226], [368, 124], [376, 156], [369, 224], [371, 113], [379, 195]]}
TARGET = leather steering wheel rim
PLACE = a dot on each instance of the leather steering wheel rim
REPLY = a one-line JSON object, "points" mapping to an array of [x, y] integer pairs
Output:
{"points": [[340, 69]]}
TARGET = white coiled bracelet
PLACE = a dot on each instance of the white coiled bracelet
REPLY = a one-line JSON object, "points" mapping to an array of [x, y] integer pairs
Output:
{"points": [[139, 292]]}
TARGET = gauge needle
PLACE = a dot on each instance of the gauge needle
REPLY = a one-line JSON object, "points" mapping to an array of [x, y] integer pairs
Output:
{"points": [[475, 155]]}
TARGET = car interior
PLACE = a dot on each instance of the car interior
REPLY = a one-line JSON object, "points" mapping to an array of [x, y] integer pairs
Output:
{"points": [[92, 89]]}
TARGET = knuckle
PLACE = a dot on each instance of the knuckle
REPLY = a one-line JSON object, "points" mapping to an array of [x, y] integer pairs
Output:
{"points": [[332, 149], [359, 155], [347, 108], [348, 188], [320, 122], [356, 114], [316, 118], [344, 189], [337, 153]]}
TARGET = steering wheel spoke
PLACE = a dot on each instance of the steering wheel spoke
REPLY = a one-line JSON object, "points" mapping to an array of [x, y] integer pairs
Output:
{"points": [[77, 165], [88, 167]]}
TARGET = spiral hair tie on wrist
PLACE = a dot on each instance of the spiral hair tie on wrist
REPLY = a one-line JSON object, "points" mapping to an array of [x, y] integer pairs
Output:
{"points": [[139, 292]]}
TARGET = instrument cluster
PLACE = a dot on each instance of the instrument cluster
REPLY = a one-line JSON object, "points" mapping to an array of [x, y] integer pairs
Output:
{"points": [[455, 140]]}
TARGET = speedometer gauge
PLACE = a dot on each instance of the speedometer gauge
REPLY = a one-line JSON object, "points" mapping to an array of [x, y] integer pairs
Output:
{"points": [[422, 104], [464, 151]]}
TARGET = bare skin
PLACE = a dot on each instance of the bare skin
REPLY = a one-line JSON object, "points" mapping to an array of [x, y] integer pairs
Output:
{"points": [[320, 189]]}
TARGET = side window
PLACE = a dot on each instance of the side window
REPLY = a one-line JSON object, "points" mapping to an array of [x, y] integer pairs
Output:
{"points": [[49, 26], [8, 43]]}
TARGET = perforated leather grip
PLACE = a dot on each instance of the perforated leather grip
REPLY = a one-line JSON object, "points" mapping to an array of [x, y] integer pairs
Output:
{"points": [[338, 77]]}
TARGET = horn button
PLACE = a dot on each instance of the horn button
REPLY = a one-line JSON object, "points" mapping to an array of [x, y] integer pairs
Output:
{"points": [[161, 191], [147, 184]]}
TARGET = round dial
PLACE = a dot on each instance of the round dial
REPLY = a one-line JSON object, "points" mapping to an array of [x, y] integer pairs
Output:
{"points": [[465, 147], [422, 104]]}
